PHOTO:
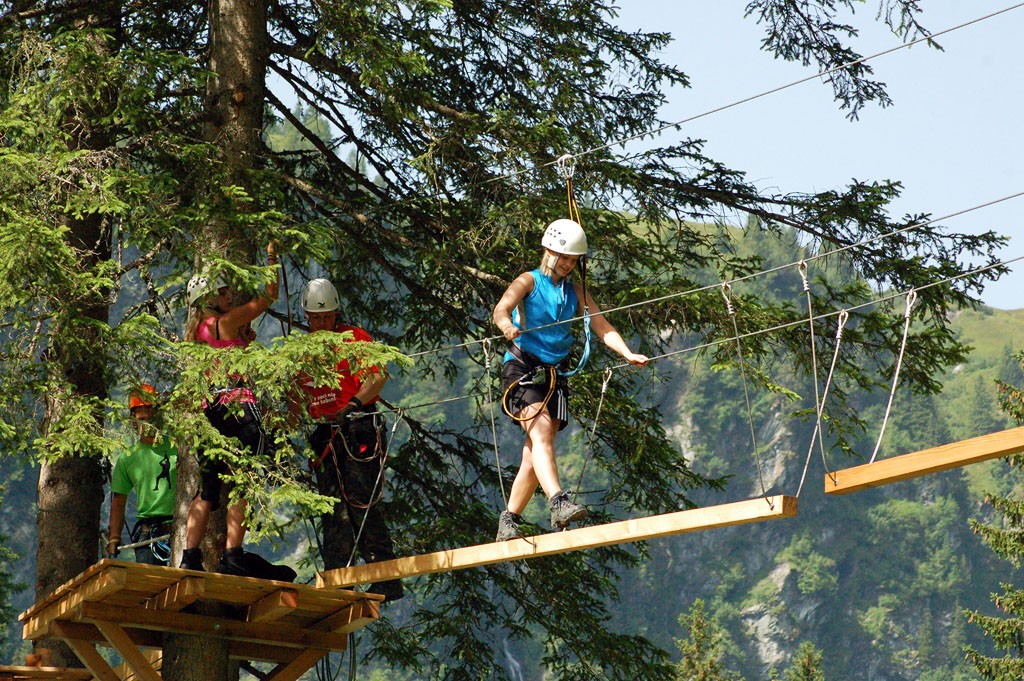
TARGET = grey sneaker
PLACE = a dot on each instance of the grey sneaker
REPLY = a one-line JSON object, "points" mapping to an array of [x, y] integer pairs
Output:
{"points": [[564, 511], [508, 526]]}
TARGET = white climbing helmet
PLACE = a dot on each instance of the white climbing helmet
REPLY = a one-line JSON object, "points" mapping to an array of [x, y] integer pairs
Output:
{"points": [[320, 296], [566, 237], [201, 285]]}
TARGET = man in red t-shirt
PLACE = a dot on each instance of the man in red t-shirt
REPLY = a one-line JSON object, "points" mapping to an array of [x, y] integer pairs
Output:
{"points": [[348, 447]]}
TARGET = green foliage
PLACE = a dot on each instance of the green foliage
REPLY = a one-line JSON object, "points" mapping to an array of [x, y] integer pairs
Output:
{"points": [[806, 664], [701, 651], [816, 573]]}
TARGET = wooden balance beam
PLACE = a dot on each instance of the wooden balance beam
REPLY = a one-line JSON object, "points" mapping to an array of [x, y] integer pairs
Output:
{"points": [[637, 529], [926, 461]]}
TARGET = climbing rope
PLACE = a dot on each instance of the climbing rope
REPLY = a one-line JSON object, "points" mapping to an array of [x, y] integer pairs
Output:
{"points": [[567, 168], [593, 431], [490, 409], [911, 299], [726, 289], [378, 483]]}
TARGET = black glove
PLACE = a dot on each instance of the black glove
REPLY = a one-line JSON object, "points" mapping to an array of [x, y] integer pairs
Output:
{"points": [[341, 417]]}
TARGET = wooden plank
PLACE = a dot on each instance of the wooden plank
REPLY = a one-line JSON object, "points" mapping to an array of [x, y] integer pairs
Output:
{"points": [[179, 595], [926, 461], [274, 606], [20, 673], [129, 652], [89, 632], [93, 661], [202, 625], [64, 588], [261, 652], [99, 586], [637, 529], [350, 618], [297, 667]]}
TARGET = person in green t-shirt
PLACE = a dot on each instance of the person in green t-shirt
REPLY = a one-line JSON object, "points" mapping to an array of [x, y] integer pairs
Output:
{"points": [[148, 468]]}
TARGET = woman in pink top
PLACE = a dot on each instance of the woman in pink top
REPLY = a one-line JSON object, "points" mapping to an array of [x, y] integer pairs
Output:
{"points": [[214, 319]]}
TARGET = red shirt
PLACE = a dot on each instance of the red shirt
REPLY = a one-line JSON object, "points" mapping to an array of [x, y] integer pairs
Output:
{"points": [[325, 402]]}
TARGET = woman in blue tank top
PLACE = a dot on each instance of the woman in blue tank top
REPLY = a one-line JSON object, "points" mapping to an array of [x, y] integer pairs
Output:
{"points": [[534, 394]]}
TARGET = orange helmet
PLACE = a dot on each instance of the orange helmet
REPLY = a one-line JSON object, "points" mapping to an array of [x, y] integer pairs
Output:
{"points": [[141, 397]]}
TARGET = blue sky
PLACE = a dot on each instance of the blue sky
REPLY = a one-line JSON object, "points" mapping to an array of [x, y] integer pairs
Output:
{"points": [[953, 135]]}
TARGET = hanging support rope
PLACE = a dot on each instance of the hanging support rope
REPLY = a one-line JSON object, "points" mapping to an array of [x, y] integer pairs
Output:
{"points": [[490, 410], [911, 299], [726, 289], [593, 430], [841, 324], [377, 484], [802, 269]]}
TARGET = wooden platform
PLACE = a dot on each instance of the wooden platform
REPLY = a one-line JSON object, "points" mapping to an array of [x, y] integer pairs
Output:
{"points": [[130, 606], [638, 529], [926, 461]]}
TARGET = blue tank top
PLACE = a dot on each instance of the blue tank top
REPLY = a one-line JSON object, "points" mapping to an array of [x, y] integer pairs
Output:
{"points": [[547, 302]]}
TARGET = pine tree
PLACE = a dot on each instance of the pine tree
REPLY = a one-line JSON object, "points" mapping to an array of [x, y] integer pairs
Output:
{"points": [[1006, 633], [702, 651], [806, 664]]}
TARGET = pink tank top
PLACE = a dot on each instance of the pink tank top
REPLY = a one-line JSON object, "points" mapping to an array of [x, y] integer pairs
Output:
{"points": [[207, 333]]}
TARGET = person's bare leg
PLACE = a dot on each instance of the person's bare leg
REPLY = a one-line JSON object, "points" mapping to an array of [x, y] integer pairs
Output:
{"points": [[195, 525]]}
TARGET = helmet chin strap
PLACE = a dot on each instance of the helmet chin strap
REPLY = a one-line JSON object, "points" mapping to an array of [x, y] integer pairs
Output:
{"points": [[552, 260]]}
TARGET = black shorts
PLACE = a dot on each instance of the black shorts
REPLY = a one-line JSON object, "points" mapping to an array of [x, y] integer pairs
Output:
{"points": [[523, 385], [247, 428]]}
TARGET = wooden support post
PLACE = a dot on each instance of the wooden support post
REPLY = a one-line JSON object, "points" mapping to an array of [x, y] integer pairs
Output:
{"points": [[637, 529], [300, 665], [125, 671], [131, 654], [926, 461], [93, 661]]}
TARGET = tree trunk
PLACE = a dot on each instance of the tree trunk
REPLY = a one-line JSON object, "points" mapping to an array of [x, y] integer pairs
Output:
{"points": [[239, 52], [71, 489]]}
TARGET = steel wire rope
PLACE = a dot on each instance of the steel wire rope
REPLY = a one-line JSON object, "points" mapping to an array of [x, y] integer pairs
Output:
{"points": [[758, 332], [875, 301], [666, 126], [744, 278], [726, 289], [820, 74]]}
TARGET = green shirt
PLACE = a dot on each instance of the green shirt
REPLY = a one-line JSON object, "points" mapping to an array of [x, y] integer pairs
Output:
{"points": [[151, 470]]}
